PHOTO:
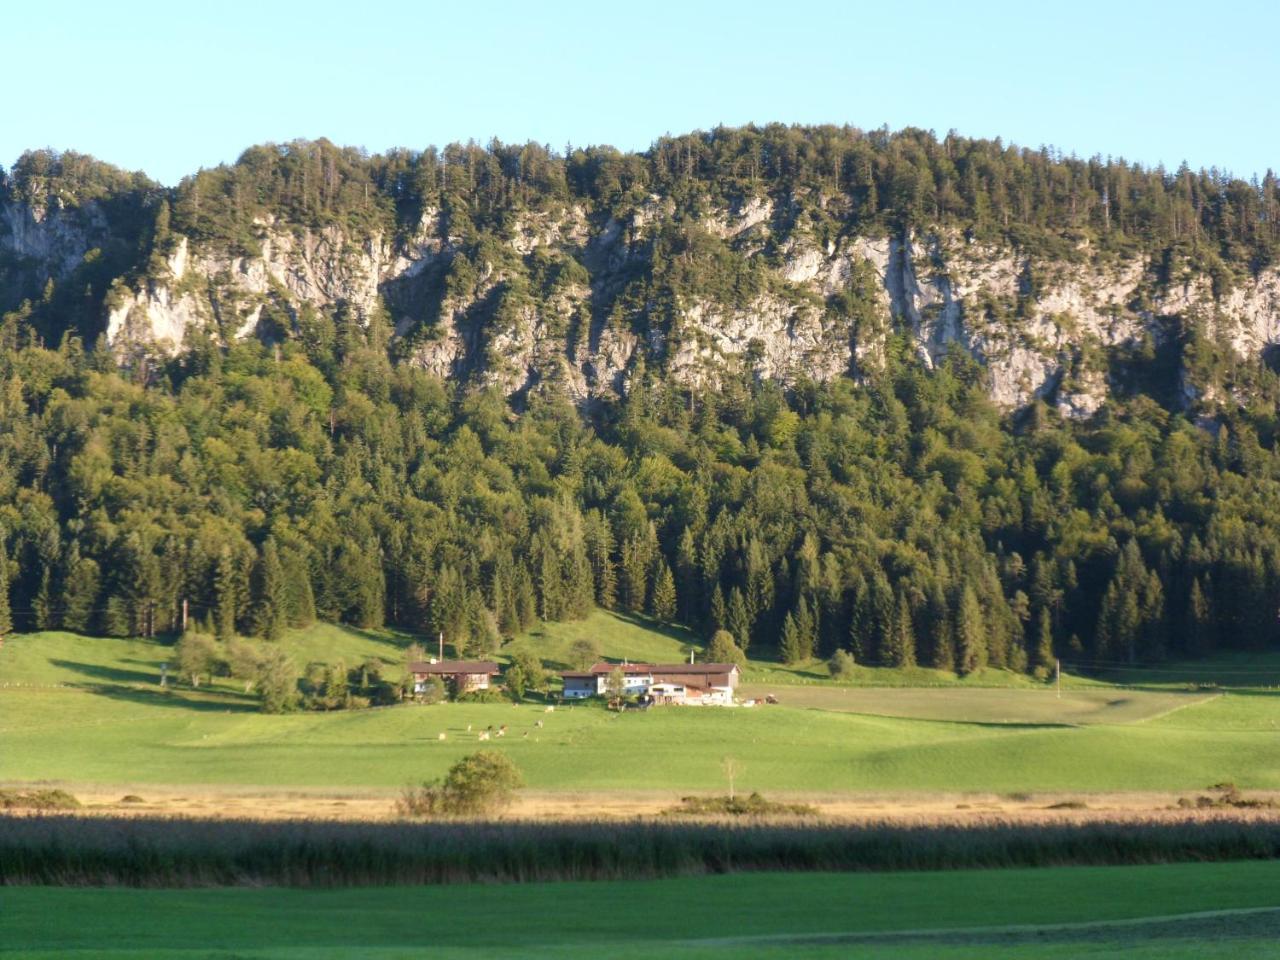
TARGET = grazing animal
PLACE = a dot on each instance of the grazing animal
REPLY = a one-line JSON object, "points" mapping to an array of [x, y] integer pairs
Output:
{"points": [[484, 734], [468, 728], [550, 709], [525, 735], [538, 724], [502, 730], [442, 736]]}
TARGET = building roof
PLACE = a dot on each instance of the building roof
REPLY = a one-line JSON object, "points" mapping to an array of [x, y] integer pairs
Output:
{"points": [[450, 667], [683, 668]]}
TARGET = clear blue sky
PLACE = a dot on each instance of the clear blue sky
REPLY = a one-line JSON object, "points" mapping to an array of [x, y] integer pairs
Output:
{"points": [[169, 87]]}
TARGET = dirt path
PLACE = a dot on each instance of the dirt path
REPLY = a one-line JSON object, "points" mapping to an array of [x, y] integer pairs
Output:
{"points": [[1253, 923]]}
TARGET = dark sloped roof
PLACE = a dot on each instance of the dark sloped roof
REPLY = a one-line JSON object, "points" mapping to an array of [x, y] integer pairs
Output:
{"points": [[685, 668], [454, 666]]}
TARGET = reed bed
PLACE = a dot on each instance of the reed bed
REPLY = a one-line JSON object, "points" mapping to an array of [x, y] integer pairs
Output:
{"points": [[72, 850]]}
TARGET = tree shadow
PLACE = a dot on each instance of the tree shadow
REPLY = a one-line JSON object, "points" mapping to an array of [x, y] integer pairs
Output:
{"points": [[170, 697], [671, 631], [113, 674], [135, 686]]}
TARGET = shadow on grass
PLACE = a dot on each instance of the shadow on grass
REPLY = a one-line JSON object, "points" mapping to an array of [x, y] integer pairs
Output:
{"points": [[133, 686], [112, 674]]}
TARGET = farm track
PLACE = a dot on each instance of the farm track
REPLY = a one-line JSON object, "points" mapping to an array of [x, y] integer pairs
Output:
{"points": [[1255, 923]]}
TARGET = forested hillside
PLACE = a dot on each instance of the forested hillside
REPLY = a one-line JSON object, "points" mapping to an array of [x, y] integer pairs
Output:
{"points": [[823, 389]]}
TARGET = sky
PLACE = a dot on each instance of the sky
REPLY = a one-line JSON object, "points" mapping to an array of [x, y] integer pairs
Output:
{"points": [[169, 87]]}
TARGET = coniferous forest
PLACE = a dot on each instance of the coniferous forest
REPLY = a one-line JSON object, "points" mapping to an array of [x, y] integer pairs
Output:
{"points": [[895, 513]]}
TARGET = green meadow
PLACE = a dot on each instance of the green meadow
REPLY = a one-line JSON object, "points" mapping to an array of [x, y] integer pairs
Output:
{"points": [[91, 710], [1180, 911]]}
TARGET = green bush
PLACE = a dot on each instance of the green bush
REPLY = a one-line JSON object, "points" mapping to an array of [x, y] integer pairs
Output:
{"points": [[480, 784], [842, 665], [487, 695]]}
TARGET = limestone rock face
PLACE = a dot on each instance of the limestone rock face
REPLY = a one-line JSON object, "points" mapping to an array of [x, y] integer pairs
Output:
{"points": [[573, 298], [52, 236]]}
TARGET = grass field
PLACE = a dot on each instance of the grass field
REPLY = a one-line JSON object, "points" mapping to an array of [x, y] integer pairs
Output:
{"points": [[1234, 912], [90, 710], [1039, 705]]}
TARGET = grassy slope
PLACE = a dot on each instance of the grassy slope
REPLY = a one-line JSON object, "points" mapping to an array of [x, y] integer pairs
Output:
{"points": [[81, 709], [674, 918]]}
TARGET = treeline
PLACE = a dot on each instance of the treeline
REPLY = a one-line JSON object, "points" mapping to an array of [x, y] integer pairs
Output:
{"points": [[828, 180], [903, 520]]}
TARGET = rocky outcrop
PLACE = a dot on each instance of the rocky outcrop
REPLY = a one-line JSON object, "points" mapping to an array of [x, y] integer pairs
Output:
{"points": [[51, 236], [1040, 328]]}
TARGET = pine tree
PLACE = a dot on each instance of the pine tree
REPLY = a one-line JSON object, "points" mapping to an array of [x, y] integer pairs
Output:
{"points": [[526, 604], [43, 602], [600, 551], [225, 596], [1044, 659], [502, 596], [371, 595], [663, 602], [269, 615], [792, 646], [79, 591], [6, 616], [881, 616], [904, 634], [970, 633], [635, 580], [689, 603], [550, 585], [580, 581], [797, 640], [299, 597], [760, 585], [860, 620], [719, 610], [739, 620], [1201, 635], [943, 654]]}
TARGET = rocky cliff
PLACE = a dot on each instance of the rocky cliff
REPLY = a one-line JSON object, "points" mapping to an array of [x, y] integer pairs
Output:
{"points": [[574, 294]]}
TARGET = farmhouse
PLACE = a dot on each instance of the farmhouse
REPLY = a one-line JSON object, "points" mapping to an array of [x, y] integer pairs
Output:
{"points": [[461, 675], [681, 683]]}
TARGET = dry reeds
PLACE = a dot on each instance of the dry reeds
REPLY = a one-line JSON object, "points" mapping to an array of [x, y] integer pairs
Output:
{"points": [[75, 850]]}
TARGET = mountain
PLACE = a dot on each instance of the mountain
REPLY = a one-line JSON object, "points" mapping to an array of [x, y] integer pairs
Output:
{"points": [[921, 400], [796, 252]]}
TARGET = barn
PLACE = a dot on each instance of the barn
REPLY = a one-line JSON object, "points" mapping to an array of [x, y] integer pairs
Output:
{"points": [[668, 683]]}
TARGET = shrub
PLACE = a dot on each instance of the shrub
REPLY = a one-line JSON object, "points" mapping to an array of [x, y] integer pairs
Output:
{"points": [[196, 655], [723, 649], [842, 665], [525, 673], [37, 800], [753, 805], [277, 682], [482, 783], [433, 691], [487, 695]]}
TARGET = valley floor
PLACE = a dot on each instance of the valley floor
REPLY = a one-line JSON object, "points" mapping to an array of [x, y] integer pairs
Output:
{"points": [[91, 711], [1182, 911]]}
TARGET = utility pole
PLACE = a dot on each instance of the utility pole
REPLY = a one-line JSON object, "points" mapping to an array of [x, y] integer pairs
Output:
{"points": [[1057, 676], [441, 644]]}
